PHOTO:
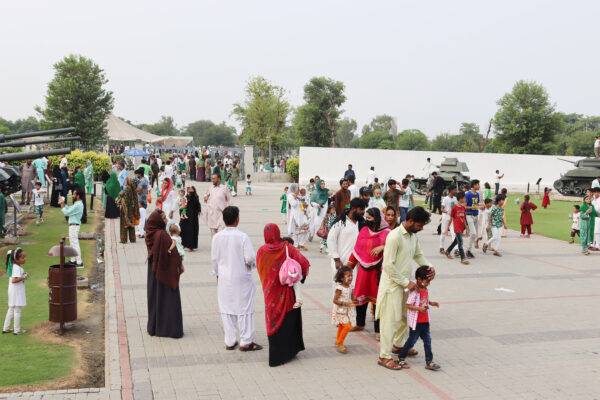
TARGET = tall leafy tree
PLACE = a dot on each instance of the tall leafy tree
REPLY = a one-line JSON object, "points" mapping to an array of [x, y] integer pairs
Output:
{"points": [[77, 97], [381, 123], [526, 121], [345, 132], [376, 140], [207, 133], [310, 128], [164, 127], [324, 97], [262, 114], [412, 139]]}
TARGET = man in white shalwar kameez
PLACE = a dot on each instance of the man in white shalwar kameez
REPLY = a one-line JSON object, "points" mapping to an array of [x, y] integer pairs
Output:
{"points": [[217, 198], [233, 260]]}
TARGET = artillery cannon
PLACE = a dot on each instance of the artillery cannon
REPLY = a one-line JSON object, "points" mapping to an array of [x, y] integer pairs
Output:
{"points": [[575, 181], [448, 169], [10, 181]]}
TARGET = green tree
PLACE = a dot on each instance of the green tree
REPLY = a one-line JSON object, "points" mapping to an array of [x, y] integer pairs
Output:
{"points": [[310, 128], [412, 139], [164, 127], [376, 140], [345, 131], [443, 142], [526, 122], [263, 114], [381, 123], [581, 144], [325, 96], [76, 97], [207, 133]]}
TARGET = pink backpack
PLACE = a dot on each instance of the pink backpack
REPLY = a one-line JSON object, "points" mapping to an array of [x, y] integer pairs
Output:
{"points": [[290, 271]]}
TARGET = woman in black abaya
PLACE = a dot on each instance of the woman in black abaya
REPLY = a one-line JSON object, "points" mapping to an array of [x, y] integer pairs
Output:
{"points": [[56, 186], [164, 301], [189, 227]]}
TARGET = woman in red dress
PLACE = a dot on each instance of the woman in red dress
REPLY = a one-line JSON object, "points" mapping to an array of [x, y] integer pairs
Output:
{"points": [[546, 200], [368, 255], [526, 218]]}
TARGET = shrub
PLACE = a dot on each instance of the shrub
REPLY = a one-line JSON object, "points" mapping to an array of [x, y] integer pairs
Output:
{"points": [[293, 168], [101, 162]]}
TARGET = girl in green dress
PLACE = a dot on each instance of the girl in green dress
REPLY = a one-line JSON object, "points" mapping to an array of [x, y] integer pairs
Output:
{"points": [[283, 199], [586, 225]]}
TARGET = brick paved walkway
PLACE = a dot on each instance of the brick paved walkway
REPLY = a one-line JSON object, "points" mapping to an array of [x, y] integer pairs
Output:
{"points": [[538, 340]]}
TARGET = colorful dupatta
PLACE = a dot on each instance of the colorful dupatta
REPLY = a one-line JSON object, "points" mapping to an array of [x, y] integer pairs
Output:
{"points": [[368, 240], [279, 299]]}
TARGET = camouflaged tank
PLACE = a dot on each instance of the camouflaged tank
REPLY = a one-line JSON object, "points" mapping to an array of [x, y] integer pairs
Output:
{"points": [[448, 169], [575, 181]]}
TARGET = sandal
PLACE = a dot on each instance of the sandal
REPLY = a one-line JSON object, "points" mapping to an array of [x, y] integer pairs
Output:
{"points": [[403, 364], [231, 347], [465, 262], [389, 364], [341, 348], [497, 254], [587, 253], [251, 347], [448, 255], [485, 247], [397, 350], [432, 366], [377, 337]]}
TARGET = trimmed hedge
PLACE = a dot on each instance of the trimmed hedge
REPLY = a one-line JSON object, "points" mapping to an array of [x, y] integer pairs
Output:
{"points": [[101, 162]]}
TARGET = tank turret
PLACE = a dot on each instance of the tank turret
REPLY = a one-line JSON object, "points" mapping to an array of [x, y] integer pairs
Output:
{"points": [[575, 181], [448, 169]]}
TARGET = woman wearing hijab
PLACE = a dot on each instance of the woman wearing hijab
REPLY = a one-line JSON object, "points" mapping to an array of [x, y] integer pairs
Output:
{"points": [[284, 322], [56, 186], [88, 174], [79, 180], [587, 217], [167, 199], [192, 166], [318, 201], [189, 226], [164, 301], [368, 256], [112, 190], [130, 211]]}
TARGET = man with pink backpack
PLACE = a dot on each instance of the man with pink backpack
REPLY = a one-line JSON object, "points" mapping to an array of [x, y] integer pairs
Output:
{"points": [[233, 260]]}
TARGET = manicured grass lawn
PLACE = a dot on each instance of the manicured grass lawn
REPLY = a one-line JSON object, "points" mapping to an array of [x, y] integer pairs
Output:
{"points": [[552, 222], [27, 359]]}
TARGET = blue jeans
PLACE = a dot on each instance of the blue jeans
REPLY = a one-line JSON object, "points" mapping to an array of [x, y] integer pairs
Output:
{"points": [[422, 331], [458, 240], [497, 188], [403, 212]]}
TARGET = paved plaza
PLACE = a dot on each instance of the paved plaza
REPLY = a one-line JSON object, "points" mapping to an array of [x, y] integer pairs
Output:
{"points": [[524, 326]]}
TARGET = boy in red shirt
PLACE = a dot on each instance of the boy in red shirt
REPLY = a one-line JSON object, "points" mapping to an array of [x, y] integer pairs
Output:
{"points": [[417, 318], [460, 225]]}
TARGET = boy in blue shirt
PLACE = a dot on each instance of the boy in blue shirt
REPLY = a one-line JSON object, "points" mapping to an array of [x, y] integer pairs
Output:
{"points": [[473, 206]]}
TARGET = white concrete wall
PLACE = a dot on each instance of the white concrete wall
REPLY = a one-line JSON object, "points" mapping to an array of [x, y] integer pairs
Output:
{"points": [[518, 169]]}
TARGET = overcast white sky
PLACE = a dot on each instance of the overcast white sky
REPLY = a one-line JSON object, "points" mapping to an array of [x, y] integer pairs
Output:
{"points": [[430, 64]]}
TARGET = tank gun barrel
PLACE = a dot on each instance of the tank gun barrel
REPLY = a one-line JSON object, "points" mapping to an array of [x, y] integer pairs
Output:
{"points": [[34, 154], [4, 138], [569, 161], [21, 143]]}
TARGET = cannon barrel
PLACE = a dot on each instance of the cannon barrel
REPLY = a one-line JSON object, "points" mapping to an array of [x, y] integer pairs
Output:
{"points": [[569, 161], [4, 138], [34, 154], [21, 143]]}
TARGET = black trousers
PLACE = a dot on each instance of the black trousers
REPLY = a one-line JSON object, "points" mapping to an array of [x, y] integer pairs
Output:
{"points": [[361, 316], [437, 204]]}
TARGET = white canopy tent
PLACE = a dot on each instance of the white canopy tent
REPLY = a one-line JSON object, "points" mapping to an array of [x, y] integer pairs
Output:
{"points": [[121, 131], [172, 141]]}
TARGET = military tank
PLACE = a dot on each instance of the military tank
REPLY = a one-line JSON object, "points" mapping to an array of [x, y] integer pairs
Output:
{"points": [[448, 169], [575, 181]]}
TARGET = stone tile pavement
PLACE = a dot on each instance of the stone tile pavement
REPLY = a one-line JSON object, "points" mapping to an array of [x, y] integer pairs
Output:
{"points": [[537, 338]]}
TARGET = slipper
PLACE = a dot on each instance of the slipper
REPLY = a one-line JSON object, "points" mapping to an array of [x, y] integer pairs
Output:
{"points": [[432, 366], [390, 364], [231, 347], [251, 347]]}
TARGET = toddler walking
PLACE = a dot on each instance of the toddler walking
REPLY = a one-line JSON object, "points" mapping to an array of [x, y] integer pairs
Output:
{"points": [[575, 224], [38, 202], [16, 290], [417, 317], [248, 187], [343, 314]]}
